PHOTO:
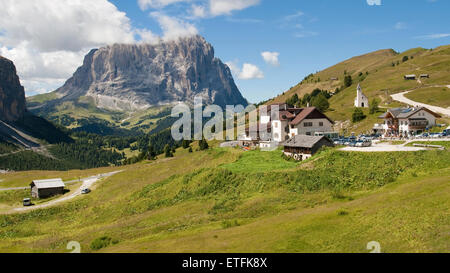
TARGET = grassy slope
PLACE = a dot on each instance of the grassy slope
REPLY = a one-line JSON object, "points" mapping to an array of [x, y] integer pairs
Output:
{"points": [[206, 202], [85, 108], [439, 96], [382, 81]]}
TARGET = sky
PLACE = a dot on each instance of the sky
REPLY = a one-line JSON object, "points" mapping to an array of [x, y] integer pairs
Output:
{"points": [[269, 45]]}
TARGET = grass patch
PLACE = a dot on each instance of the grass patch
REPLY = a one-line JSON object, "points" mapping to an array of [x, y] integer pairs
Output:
{"points": [[102, 242], [259, 161], [172, 205], [445, 144], [438, 96]]}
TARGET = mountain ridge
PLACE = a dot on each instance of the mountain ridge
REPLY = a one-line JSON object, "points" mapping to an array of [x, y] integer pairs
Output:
{"points": [[12, 93], [133, 77]]}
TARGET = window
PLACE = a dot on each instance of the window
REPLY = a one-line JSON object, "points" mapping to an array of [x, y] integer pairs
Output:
{"points": [[276, 124], [308, 124], [276, 136], [321, 124]]}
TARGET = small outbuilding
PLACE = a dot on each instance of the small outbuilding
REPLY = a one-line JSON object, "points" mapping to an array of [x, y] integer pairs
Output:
{"points": [[47, 188], [302, 147], [425, 76], [410, 77]]}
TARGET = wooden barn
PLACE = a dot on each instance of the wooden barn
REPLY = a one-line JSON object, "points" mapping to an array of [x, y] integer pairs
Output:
{"points": [[302, 147], [47, 188]]}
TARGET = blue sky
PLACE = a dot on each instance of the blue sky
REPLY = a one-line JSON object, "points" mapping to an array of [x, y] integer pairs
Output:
{"points": [[301, 36], [310, 35]]}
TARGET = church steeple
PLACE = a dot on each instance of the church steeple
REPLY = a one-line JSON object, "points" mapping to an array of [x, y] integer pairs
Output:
{"points": [[361, 99]]}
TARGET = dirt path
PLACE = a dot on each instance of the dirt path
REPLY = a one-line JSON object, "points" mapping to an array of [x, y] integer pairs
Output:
{"points": [[401, 98], [87, 183]]}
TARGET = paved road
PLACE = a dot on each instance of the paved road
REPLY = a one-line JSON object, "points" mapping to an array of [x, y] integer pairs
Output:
{"points": [[401, 98], [385, 147], [87, 183], [66, 182]]}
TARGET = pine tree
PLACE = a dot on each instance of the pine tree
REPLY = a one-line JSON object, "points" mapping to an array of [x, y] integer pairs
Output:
{"points": [[168, 151]]}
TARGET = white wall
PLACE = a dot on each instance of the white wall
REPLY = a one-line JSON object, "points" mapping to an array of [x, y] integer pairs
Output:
{"points": [[300, 129]]}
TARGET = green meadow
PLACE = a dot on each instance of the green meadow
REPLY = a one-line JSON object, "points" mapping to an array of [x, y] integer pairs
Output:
{"points": [[228, 200]]}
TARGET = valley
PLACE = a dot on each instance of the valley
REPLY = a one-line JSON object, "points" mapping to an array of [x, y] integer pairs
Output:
{"points": [[159, 195], [180, 205]]}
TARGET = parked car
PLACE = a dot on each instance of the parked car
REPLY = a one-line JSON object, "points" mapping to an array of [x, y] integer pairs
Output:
{"points": [[85, 191], [27, 202], [424, 135], [359, 143], [436, 135], [353, 143]]}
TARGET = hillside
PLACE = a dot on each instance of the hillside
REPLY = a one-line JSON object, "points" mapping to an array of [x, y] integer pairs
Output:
{"points": [[210, 202], [380, 74], [123, 86]]}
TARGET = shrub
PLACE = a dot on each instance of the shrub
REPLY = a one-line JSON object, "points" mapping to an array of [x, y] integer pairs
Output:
{"points": [[230, 223], [342, 212], [102, 242], [358, 115], [374, 106], [348, 81]]}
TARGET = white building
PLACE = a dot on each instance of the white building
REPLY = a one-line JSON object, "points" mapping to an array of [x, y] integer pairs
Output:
{"points": [[290, 122], [361, 99], [406, 121]]}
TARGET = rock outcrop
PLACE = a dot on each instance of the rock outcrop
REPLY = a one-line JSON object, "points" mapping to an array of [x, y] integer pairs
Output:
{"points": [[12, 94], [128, 77]]}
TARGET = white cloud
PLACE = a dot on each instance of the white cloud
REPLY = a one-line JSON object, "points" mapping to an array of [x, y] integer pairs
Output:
{"points": [[63, 25], [199, 11], [173, 27], [294, 16], [221, 7], [146, 4], [433, 36], [48, 39], [248, 71], [271, 58], [201, 8], [374, 2]]}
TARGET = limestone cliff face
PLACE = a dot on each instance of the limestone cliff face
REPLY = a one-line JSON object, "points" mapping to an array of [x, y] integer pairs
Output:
{"points": [[133, 77], [12, 94]]}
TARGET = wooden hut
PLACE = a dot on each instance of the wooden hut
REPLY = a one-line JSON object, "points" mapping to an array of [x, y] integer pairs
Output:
{"points": [[47, 188], [302, 147]]}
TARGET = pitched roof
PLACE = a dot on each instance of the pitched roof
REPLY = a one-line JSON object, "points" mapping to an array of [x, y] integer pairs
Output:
{"points": [[306, 113], [48, 183], [407, 112], [303, 141]]}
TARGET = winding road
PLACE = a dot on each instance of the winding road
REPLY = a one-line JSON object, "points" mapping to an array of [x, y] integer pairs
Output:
{"points": [[401, 98], [87, 183]]}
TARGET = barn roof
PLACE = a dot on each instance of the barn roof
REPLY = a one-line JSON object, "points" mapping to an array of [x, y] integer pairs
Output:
{"points": [[48, 183], [303, 141]]}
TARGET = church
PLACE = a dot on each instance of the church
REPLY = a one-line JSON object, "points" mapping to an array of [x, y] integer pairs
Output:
{"points": [[361, 99]]}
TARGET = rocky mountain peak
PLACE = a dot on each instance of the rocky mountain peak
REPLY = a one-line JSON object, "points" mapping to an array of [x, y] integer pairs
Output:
{"points": [[128, 77], [12, 94]]}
